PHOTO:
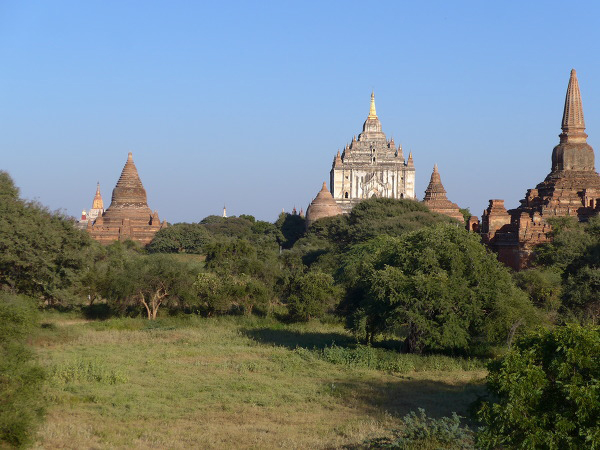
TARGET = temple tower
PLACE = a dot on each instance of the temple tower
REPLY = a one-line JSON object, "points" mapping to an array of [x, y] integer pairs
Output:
{"points": [[371, 166], [323, 205], [128, 216], [436, 200], [97, 205], [572, 188]]}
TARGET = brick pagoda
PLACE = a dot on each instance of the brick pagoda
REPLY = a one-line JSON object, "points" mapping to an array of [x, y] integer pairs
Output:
{"points": [[128, 216], [572, 188], [436, 199]]}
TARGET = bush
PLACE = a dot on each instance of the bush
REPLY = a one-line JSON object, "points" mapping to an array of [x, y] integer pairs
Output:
{"points": [[546, 392], [21, 409], [390, 361], [420, 431], [311, 295]]}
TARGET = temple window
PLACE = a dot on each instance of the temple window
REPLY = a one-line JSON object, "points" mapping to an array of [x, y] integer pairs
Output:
{"points": [[346, 195]]}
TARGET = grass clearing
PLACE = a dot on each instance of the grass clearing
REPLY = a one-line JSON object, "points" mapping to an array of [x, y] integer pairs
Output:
{"points": [[233, 382]]}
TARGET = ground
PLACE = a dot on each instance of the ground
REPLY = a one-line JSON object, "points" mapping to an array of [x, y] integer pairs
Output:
{"points": [[231, 382]]}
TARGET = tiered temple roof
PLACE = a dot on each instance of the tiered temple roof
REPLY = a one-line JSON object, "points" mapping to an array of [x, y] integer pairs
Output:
{"points": [[128, 216], [436, 200]]}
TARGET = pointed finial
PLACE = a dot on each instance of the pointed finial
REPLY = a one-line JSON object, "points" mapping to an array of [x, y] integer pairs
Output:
{"points": [[410, 159], [435, 168], [324, 188], [573, 124], [372, 112], [130, 157]]}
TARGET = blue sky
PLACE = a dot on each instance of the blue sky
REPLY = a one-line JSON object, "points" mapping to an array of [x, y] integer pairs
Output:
{"points": [[246, 103]]}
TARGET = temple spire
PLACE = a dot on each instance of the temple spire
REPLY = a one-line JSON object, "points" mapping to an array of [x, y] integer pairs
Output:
{"points": [[573, 124], [372, 112], [97, 203]]}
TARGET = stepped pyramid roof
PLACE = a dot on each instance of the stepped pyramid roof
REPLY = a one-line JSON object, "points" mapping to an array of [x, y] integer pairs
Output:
{"points": [[436, 200]]}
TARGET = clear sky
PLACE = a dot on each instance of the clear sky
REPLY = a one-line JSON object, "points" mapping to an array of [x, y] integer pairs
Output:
{"points": [[246, 103]]}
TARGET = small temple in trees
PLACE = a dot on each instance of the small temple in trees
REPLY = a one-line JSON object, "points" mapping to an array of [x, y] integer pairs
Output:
{"points": [[322, 206], [128, 216], [572, 188], [436, 200]]}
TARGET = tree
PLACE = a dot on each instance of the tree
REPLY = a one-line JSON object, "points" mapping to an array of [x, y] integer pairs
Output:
{"points": [[21, 377], [181, 238], [220, 294], [574, 252], [439, 284], [546, 392], [148, 281], [291, 227], [310, 295], [41, 253]]}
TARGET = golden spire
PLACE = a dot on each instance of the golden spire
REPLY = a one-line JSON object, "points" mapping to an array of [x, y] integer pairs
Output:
{"points": [[97, 203], [372, 112]]}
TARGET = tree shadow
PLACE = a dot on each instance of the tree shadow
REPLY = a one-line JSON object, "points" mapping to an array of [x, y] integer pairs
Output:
{"points": [[398, 398], [97, 311], [293, 339]]}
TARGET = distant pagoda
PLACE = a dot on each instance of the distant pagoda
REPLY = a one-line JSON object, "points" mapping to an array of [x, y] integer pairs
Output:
{"points": [[436, 200], [322, 206], [128, 216], [572, 188]]}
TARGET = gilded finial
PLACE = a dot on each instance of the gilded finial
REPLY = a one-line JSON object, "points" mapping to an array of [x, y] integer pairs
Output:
{"points": [[372, 112]]}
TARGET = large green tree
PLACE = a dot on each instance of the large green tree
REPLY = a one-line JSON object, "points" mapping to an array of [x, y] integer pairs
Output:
{"points": [[439, 285], [147, 282], [41, 253]]}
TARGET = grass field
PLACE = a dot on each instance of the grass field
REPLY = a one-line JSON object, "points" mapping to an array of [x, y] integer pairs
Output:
{"points": [[233, 382]]}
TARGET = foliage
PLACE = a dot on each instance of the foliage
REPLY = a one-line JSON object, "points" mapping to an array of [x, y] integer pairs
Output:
{"points": [[310, 295], [180, 238], [291, 227], [574, 252], [219, 294], [147, 281], [41, 253], [439, 284], [86, 370], [543, 286], [390, 360], [421, 431], [466, 213], [20, 377], [546, 392]]}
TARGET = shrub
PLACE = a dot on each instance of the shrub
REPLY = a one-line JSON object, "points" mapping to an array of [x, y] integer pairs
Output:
{"points": [[21, 409], [546, 392], [421, 431]]}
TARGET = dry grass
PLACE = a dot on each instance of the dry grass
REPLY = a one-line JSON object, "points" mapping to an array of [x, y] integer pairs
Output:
{"points": [[207, 383]]}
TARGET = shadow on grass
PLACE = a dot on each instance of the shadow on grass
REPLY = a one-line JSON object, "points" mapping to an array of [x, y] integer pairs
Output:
{"points": [[438, 398], [293, 339]]}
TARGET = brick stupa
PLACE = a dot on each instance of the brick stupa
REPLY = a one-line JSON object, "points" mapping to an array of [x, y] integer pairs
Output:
{"points": [[572, 188], [436, 200], [322, 206], [128, 216]]}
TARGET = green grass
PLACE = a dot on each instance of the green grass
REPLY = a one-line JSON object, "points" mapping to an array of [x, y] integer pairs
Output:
{"points": [[241, 382]]}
